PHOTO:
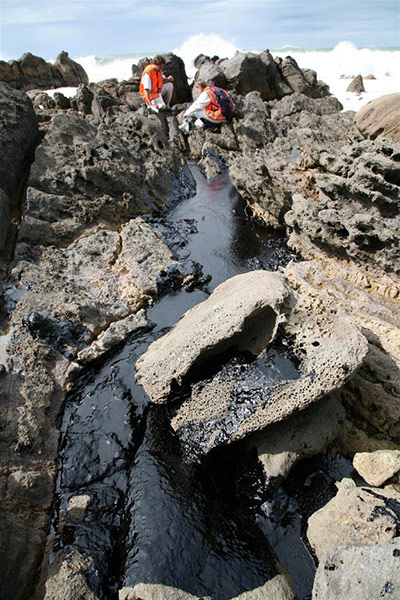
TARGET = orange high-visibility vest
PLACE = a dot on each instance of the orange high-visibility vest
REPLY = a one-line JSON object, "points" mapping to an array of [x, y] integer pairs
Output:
{"points": [[156, 82], [213, 110]]}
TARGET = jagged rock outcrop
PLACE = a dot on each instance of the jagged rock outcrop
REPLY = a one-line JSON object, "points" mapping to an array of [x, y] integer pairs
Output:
{"points": [[358, 572], [19, 137], [176, 67], [380, 118], [84, 265], [33, 72], [356, 86]]}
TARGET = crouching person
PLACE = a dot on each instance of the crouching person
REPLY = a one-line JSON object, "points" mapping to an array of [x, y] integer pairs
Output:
{"points": [[205, 109], [155, 89]]}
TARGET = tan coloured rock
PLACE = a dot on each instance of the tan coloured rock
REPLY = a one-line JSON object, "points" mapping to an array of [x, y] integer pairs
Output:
{"points": [[380, 117], [306, 433], [243, 312], [377, 467], [358, 572], [356, 515], [67, 579]]}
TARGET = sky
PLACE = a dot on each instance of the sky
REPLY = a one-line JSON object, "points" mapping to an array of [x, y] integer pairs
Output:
{"points": [[104, 27]]}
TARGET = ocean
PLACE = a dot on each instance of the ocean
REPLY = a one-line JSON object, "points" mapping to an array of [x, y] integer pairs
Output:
{"points": [[335, 66]]}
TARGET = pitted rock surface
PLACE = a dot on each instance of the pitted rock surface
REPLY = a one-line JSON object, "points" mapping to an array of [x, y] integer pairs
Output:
{"points": [[358, 572], [329, 350], [356, 515], [243, 312]]}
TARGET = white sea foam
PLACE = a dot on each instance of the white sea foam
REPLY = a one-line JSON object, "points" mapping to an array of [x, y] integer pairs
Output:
{"points": [[336, 67]]}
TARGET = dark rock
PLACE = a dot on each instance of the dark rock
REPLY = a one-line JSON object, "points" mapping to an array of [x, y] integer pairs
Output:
{"points": [[136, 70], [19, 136], [356, 86], [247, 72], [101, 102], [73, 74], [83, 100], [30, 72], [176, 67], [304, 82], [212, 74], [61, 101]]}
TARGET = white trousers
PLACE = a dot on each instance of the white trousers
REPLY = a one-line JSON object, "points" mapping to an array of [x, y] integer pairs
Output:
{"points": [[164, 99]]}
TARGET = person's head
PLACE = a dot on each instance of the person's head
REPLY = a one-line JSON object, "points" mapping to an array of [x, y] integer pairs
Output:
{"points": [[159, 61], [200, 85]]}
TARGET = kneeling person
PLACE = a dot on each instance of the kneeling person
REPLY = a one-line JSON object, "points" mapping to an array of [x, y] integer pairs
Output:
{"points": [[204, 107], [155, 89]]}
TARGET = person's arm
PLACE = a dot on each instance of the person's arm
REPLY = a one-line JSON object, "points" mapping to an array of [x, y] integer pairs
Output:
{"points": [[167, 79], [198, 104], [147, 87]]}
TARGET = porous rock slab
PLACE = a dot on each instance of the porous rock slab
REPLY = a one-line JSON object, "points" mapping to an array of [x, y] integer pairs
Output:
{"points": [[359, 572], [219, 412], [377, 467], [356, 515], [242, 312], [278, 588]]}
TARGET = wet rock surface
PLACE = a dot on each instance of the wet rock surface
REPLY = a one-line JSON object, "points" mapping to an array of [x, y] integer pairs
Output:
{"points": [[111, 250]]}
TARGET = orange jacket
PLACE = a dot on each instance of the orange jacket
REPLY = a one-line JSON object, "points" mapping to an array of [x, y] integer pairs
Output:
{"points": [[213, 110], [156, 82]]}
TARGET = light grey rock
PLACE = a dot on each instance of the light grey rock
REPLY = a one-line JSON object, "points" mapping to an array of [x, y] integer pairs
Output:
{"points": [[359, 572], [377, 467], [356, 515], [306, 433], [155, 591], [68, 579], [242, 312]]}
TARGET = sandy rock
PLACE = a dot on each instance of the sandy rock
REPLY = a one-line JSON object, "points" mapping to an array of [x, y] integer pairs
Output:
{"points": [[377, 467], [380, 118], [68, 579], [356, 86], [232, 316], [304, 434], [358, 572], [155, 591], [278, 588], [356, 515]]}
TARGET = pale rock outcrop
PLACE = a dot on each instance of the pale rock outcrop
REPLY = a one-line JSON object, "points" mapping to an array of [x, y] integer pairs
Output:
{"points": [[243, 312], [277, 588], [68, 579], [356, 515], [377, 467], [358, 572], [380, 118], [306, 433]]}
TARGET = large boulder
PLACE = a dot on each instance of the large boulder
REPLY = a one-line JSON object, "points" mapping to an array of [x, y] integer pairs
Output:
{"points": [[33, 72], [380, 118], [356, 515], [73, 74], [212, 74], [19, 136], [176, 67], [243, 312], [358, 572], [302, 81], [242, 315], [247, 72]]}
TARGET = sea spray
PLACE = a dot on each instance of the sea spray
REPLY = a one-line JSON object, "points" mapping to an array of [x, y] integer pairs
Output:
{"points": [[335, 66]]}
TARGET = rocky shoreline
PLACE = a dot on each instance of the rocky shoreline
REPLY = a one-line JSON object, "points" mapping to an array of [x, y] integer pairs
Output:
{"points": [[80, 262]]}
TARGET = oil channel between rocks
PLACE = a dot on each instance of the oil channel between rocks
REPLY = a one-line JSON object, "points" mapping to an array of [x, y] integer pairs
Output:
{"points": [[149, 515]]}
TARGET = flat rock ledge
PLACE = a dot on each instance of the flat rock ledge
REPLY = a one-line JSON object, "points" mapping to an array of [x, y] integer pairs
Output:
{"points": [[359, 572], [243, 313]]}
